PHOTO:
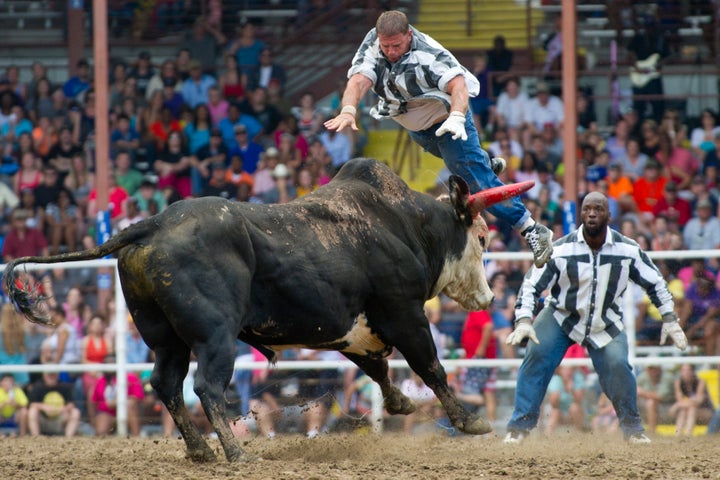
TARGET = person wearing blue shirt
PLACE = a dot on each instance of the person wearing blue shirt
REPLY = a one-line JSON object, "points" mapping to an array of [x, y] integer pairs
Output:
{"points": [[234, 118], [79, 83], [195, 88], [248, 150]]}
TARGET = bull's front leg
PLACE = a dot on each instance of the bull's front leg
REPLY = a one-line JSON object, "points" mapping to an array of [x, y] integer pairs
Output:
{"points": [[419, 351], [377, 368]]}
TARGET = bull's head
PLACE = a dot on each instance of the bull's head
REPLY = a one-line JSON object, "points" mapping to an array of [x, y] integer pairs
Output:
{"points": [[463, 279]]}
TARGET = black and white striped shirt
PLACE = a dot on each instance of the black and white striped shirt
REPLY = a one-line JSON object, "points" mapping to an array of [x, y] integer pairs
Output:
{"points": [[417, 81], [586, 287]]}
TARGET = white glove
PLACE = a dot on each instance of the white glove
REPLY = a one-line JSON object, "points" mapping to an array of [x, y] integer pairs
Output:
{"points": [[455, 124], [672, 328], [523, 330]]}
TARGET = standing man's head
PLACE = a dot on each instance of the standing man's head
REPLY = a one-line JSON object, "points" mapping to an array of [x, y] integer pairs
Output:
{"points": [[394, 34], [595, 216]]}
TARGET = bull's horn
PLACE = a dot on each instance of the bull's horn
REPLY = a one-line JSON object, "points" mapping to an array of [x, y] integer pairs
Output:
{"points": [[482, 200]]}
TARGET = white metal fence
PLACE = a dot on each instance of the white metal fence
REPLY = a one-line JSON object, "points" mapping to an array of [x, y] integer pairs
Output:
{"points": [[662, 355]]}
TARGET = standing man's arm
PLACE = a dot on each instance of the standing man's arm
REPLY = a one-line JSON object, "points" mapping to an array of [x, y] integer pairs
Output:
{"points": [[357, 86]]}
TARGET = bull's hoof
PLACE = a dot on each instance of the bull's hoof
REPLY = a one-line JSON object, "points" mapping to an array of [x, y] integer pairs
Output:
{"points": [[201, 455], [241, 456], [476, 426], [399, 405]]}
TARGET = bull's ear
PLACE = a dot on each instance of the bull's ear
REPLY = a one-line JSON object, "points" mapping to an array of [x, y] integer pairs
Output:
{"points": [[459, 193]]}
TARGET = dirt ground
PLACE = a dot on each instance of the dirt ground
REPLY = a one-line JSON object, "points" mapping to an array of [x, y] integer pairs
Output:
{"points": [[350, 456]]}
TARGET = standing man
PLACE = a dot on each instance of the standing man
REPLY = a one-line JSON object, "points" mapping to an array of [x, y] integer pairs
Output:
{"points": [[586, 280], [425, 89]]}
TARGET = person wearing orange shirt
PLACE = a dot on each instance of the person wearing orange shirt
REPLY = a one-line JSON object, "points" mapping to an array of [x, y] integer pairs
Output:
{"points": [[620, 187]]}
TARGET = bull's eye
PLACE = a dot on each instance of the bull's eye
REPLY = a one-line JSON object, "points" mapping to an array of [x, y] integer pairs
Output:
{"points": [[482, 241]]}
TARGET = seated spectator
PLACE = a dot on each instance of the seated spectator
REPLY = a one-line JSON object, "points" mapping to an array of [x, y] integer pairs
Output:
{"points": [[656, 394], [633, 160], [117, 198], [648, 322], [123, 138], [702, 232], [126, 176], [679, 163], [235, 175], [511, 106], [648, 189], [248, 149], [148, 195], [605, 420], [195, 88], [51, 410], [544, 108], [133, 216], [692, 402], [197, 131], [266, 71], [246, 47], [161, 129], [95, 348], [338, 146], [231, 82], [173, 99], [80, 182], [236, 119], [142, 72], [22, 241], [166, 75], [699, 315], [673, 207], [217, 105], [305, 182], [105, 399], [61, 154], [565, 396], [214, 151], [13, 405], [284, 189], [290, 153], [79, 83], [425, 400], [219, 186], [256, 105], [173, 166], [309, 117], [62, 218], [702, 137], [263, 180]]}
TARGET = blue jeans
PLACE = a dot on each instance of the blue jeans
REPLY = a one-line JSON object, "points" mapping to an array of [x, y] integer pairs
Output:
{"points": [[611, 364], [468, 160]]}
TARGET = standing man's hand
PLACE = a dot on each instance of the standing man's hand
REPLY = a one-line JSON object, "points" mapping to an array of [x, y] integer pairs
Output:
{"points": [[523, 330], [671, 328], [455, 125], [344, 119]]}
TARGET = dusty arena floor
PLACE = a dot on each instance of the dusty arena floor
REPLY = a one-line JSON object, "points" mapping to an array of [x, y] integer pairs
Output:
{"points": [[392, 456]]}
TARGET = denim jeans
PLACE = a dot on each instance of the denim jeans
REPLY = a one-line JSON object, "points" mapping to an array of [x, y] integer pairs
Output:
{"points": [[714, 425], [468, 160], [611, 364]]}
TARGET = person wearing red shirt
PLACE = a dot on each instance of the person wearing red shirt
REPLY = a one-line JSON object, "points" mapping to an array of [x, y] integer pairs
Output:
{"points": [[673, 207], [478, 383], [649, 189], [23, 241], [117, 201]]}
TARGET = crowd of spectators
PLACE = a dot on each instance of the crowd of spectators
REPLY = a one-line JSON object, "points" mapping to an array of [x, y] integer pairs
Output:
{"points": [[188, 126]]}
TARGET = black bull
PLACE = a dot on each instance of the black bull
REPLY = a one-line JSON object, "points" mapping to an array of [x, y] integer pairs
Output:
{"points": [[346, 268]]}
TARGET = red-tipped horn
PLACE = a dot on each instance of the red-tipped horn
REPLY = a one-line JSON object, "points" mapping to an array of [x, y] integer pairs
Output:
{"points": [[481, 200]]}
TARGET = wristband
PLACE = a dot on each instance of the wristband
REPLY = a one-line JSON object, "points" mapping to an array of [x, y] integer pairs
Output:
{"points": [[349, 109], [457, 113], [670, 317]]}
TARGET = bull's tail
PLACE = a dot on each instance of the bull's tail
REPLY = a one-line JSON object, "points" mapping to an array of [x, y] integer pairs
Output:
{"points": [[31, 304]]}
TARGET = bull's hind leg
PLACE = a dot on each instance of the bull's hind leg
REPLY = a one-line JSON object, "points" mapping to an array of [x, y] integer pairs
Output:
{"points": [[377, 369], [216, 359], [419, 351], [172, 358]]}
